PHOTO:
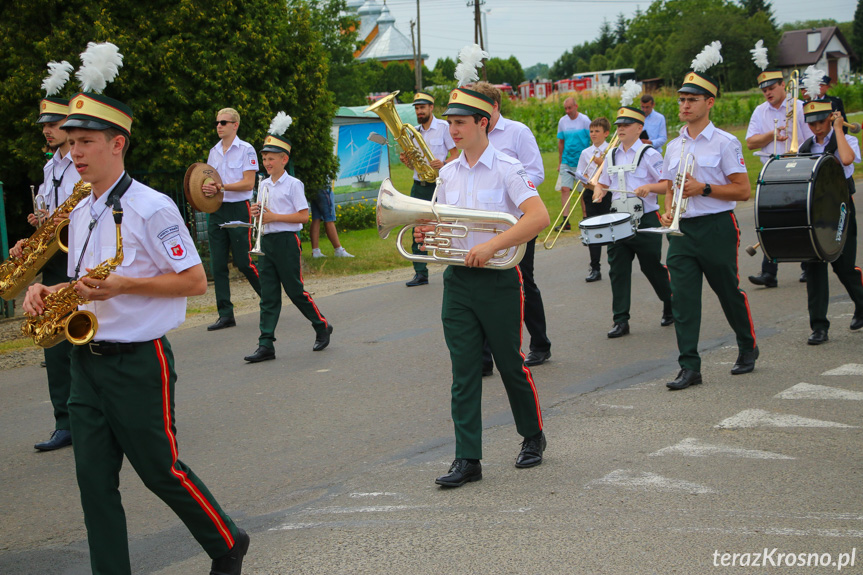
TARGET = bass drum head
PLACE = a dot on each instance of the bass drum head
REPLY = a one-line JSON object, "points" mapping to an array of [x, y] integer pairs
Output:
{"points": [[604, 220], [830, 201]]}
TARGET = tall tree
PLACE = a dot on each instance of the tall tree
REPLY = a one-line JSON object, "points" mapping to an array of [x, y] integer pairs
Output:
{"points": [[620, 29], [753, 7], [536, 72]]}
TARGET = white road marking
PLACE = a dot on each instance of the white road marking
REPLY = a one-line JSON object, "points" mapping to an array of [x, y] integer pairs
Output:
{"points": [[847, 369], [811, 391], [615, 406], [290, 526], [648, 481], [691, 447], [761, 418], [322, 371], [368, 509], [375, 494]]}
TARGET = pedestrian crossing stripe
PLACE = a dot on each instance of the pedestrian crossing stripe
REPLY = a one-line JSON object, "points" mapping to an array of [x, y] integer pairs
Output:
{"points": [[761, 418], [810, 391]]}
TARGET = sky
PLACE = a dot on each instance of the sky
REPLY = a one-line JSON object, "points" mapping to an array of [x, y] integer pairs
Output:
{"points": [[539, 31]]}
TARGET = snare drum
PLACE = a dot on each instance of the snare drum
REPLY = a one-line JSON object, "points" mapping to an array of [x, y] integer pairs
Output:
{"points": [[801, 205], [629, 204], [606, 229]]}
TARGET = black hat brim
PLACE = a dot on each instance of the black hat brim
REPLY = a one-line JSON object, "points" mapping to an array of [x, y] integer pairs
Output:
{"points": [[87, 125], [48, 118]]}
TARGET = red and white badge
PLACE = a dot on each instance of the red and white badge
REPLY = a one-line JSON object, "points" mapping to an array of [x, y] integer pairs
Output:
{"points": [[174, 246]]}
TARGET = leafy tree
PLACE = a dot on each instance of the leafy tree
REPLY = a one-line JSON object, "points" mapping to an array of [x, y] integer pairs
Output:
{"points": [[505, 71], [536, 72], [804, 24], [620, 29], [444, 70], [399, 76], [182, 63], [752, 7], [337, 32], [606, 38]]}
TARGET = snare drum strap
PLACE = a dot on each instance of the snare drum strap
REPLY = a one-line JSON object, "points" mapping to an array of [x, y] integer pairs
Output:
{"points": [[621, 171]]}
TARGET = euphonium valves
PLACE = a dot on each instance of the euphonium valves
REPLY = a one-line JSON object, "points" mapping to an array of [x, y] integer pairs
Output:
{"points": [[419, 155]]}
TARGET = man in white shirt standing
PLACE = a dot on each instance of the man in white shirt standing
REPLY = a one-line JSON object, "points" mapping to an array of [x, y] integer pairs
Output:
{"points": [[769, 119], [573, 136], [435, 133], [237, 163]]}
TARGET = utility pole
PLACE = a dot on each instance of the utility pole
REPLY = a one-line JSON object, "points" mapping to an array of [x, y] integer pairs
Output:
{"points": [[477, 29], [416, 59], [419, 51]]}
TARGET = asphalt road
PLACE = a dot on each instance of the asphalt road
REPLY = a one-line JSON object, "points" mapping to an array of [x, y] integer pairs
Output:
{"points": [[328, 459]]}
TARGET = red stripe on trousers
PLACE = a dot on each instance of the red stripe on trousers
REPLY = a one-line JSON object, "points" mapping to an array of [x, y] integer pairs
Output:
{"points": [[172, 440], [305, 293], [737, 268], [525, 368]]}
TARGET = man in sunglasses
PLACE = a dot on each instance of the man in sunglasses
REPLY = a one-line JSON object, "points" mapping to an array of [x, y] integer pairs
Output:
{"points": [[237, 163]]}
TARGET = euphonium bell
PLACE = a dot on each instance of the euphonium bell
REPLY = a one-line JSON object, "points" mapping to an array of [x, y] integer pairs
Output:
{"points": [[396, 209], [419, 154]]}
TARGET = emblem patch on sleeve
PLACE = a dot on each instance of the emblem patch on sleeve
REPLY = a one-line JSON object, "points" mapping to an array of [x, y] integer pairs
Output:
{"points": [[526, 179], [253, 160], [175, 248]]}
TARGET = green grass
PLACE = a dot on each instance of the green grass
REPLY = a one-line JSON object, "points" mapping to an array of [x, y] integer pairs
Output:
{"points": [[16, 344]]}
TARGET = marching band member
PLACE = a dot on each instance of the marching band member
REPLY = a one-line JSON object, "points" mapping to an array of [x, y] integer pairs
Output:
{"points": [[708, 246], [766, 119], [599, 130], [280, 264], [122, 396], [236, 162], [828, 138], [435, 132], [634, 166], [59, 181], [516, 140], [486, 303]]}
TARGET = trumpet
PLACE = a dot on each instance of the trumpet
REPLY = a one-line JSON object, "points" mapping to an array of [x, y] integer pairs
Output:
{"points": [[593, 179], [396, 209], [793, 92], [679, 203], [263, 201]]}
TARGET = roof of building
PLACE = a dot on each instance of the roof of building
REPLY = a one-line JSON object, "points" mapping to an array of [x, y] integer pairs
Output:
{"points": [[389, 44], [794, 51]]}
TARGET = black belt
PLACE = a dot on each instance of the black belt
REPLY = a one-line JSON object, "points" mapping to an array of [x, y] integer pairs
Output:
{"points": [[424, 184], [110, 347]]}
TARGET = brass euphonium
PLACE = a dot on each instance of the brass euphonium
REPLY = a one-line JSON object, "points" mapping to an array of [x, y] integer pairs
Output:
{"points": [[16, 274], [396, 209], [420, 158], [61, 317]]}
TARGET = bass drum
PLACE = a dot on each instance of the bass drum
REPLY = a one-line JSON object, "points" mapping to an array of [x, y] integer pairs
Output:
{"points": [[801, 205]]}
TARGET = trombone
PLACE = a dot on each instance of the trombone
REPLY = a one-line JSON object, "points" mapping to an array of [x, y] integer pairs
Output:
{"points": [[679, 203], [548, 243], [793, 93], [263, 200]]}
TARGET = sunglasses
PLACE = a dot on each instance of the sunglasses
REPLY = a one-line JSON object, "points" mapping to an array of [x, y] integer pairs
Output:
{"points": [[224, 122]]}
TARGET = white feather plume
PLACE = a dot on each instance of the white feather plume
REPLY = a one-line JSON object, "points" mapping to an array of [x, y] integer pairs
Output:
{"points": [[100, 65], [280, 124], [469, 59], [812, 80], [708, 57], [58, 75], [759, 55], [629, 92]]}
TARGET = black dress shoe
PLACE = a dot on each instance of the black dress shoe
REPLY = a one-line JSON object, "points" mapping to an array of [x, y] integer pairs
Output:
{"points": [[222, 323], [593, 276], [460, 472], [488, 370], [59, 438], [531, 451], [43, 364], [857, 321], [667, 316], [263, 353], [818, 337], [764, 279], [231, 563], [745, 362], [620, 329], [803, 278], [322, 340], [418, 280], [537, 358], [685, 378]]}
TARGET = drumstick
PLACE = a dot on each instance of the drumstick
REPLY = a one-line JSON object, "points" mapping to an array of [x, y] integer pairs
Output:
{"points": [[752, 249]]}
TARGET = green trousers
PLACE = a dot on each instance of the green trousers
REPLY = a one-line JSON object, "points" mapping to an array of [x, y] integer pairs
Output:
{"points": [[423, 192], [57, 360], [281, 267], [707, 249], [817, 286], [648, 249], [236, 242], [477, 304], [124, 405]]}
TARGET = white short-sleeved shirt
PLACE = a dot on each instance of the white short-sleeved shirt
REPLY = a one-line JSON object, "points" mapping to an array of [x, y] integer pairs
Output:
{"points": [[516, 140], [575, 134], [586, 156], [717, 155], [155, 242], [63, 169], [241, 157], [437, 138], [855, 147], [649, 171], [286, 196], [761, 122], [497, 182]]}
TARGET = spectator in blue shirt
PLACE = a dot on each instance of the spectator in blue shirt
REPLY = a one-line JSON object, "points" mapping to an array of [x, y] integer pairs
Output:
{"points": [[654, 124]]}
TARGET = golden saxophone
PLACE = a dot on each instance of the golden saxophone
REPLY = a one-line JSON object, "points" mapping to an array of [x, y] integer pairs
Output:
{"points": [[419, 155], [61, 317], [16, 274]]}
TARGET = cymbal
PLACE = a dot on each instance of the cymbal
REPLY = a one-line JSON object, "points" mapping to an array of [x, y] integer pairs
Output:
{"points": [[196, 177]]}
